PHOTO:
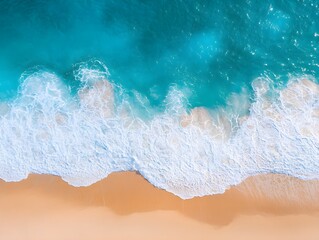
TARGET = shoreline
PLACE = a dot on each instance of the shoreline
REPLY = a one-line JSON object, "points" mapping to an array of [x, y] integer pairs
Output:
{"points": [[126, 201]]}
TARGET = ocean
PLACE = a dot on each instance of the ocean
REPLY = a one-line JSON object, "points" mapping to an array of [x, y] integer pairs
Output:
{"points": [[194, 95]]}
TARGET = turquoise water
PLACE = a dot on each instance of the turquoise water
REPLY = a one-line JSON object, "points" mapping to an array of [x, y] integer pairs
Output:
{"points": [[196, 96], [213, 48]]}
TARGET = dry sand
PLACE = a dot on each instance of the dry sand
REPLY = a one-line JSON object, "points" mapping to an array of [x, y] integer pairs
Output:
{"points": [[125, 206]]}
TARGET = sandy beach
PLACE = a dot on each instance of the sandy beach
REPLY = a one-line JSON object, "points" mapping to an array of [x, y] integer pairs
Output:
{"points": [[126, 206]]}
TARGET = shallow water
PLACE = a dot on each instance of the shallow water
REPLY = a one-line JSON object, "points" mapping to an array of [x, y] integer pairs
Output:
{"points": [[211, 48], [98, 87]]}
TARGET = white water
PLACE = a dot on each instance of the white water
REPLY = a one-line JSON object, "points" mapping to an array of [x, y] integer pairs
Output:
{"points": [[85, 138]]}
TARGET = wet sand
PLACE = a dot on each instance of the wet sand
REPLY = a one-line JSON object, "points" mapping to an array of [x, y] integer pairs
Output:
{"points": [[126, 206]]}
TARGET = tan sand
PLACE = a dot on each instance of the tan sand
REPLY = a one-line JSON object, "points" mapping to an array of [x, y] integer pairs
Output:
{"points": [[125, 206]]}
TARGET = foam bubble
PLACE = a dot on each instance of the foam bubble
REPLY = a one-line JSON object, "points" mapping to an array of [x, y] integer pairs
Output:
{"points": [[85, 138]]}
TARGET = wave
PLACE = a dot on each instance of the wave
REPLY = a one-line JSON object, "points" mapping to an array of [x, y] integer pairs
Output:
{"points": [[84, 138]]}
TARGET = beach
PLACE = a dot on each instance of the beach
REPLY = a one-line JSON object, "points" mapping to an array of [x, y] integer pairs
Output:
{"points": [[170, 120], [126, 206]]}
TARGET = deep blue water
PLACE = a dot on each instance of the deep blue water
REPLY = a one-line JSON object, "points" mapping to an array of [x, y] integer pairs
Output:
{"points": [[213, 48]]}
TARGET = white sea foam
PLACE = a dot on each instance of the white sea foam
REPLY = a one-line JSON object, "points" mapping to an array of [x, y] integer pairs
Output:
{"points": [[86, 137]]}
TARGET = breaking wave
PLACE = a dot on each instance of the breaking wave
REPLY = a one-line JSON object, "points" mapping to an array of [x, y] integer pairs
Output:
{"points": [[85, 137]]}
